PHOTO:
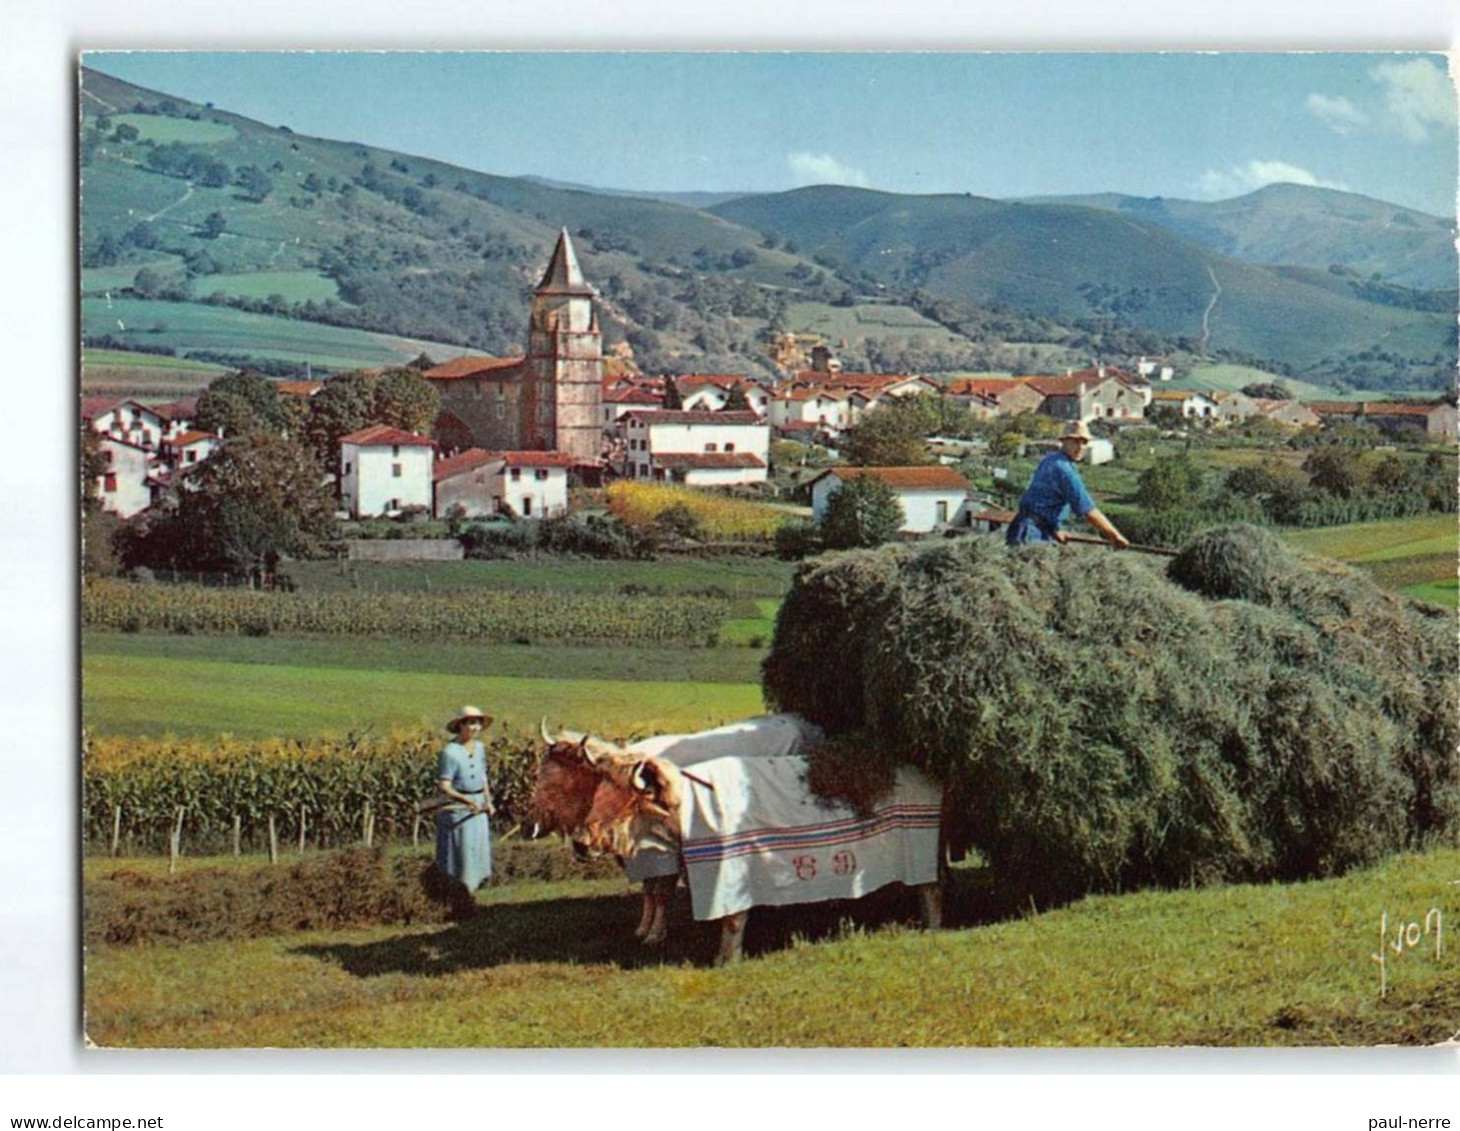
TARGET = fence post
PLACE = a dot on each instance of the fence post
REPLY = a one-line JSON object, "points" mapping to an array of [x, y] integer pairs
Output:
{"points": [[302, 821], [273, 841], [116, 829], [175, 842], [415, 830], [237, 834], [365, 823]]}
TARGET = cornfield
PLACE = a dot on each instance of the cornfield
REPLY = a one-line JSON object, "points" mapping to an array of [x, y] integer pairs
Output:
{"points": [[502, 616], [641, 504], [133, 789]]}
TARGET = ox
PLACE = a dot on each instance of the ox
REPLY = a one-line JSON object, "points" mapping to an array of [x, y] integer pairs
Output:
{"points": [[646, 805]]}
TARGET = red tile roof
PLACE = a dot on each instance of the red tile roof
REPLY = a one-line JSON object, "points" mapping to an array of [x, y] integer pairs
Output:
{"points": [[460, 367], [675, 416], [852, 380], [933, 477], [187, 438], [631, 396], [299, 388], [462, 462], [539, 459], [1383, 408], [184, 408], [982, 386], [381, 434], [92, 407], [1064, 386], [691, 460]]}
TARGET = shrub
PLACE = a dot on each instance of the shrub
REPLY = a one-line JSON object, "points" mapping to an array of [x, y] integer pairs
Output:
{"points": [[1098, 725]]}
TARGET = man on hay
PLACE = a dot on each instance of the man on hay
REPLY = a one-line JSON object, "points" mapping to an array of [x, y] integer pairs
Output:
{"points": [[1054, 491]]}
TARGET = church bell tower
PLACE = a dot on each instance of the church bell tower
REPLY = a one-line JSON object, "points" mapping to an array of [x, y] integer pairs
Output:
{"points": [[562, 394]]}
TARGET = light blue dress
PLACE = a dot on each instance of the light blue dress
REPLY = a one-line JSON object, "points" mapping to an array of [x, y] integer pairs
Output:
{"points": [[463, 839]]}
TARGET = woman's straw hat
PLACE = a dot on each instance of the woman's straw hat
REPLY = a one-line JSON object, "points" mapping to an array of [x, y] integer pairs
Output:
{"points": [[469, 713]]}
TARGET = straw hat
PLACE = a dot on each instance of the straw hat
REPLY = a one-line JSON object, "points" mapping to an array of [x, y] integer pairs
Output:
{"points": [[469, 713], [1079, 431]]}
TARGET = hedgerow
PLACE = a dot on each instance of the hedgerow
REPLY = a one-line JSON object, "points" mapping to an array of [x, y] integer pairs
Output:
{"points": [[1098, 725]]}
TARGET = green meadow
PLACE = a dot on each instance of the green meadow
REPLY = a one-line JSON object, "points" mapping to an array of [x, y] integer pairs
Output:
{"points": [[554, 965], [163, 130], [150, 694], [294, 286]]}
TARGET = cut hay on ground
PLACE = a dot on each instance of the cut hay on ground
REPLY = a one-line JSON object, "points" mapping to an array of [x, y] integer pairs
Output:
{"points": [[1255, 715]]}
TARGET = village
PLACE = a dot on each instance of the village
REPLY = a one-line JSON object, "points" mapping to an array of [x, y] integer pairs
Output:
{"points": [[511, 434]]}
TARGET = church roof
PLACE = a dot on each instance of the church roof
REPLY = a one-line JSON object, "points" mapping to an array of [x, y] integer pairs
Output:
{"points": [[563, 275]]}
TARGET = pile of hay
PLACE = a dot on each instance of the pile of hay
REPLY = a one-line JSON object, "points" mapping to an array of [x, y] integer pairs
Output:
{"points": [[1248, 714], [355, 887]]}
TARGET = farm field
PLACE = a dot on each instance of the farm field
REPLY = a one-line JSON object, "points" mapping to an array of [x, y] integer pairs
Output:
{"points": [[296, 286], [191, 326], [1414, 556], [142, 694], [553, 964], [126, 374]]}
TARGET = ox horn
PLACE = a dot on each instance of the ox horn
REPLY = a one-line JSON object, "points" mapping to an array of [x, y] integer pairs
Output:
{"points": [[545, 736]]}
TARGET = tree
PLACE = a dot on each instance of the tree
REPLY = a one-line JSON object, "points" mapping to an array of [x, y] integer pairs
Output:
{"points": [[737, 401], [213, 225], [344, 405], [254, 181], [864, 512], [1172, 482], [404, 399], [1332, 470], [126, 132], [267, 412], [259, 498], [672, 399], [891, 435], [421, 362]]}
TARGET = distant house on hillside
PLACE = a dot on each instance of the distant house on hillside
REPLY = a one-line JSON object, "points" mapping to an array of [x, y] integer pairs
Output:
{"points": [[383, 470], [1234, 406], [1288, 412], [189, 448], [1008, 396], [1092, 394], [1435, 421], [711, 392], [931, 496], [1193, 406]]}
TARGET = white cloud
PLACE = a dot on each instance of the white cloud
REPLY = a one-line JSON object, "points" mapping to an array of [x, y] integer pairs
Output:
{"points": [[1417, 96], [823, 169], [1338, 114], [1217, 183]]}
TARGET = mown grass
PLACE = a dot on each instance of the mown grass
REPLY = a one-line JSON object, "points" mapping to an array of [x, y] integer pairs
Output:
{"points": [[553, 965], [129, 359], [752, 632], [1413, 556], [154, 695], [740, 577]]}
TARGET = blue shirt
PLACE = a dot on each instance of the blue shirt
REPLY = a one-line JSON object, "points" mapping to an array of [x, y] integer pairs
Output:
{"points": [[1055, 490]]}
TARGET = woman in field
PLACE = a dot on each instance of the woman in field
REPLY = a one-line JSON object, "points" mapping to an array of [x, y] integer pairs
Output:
{"points": [[464, 829]]}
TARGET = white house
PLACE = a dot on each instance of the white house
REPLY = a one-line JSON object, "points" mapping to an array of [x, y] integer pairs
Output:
{"points": [[122, 486], [931, 496], [709, 392], [627, 398], [189, 448], [482, 483], [1189, 404], [383, 470], [656, 442]]}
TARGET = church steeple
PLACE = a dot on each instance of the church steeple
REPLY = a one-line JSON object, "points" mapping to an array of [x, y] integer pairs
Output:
{"points": [[563, 275]]}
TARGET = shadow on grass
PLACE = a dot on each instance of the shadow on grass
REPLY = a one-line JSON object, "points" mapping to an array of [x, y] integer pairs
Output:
{"points": [[598, 930]]}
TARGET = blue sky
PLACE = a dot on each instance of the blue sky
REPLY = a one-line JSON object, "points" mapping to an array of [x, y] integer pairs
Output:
{"points": [[1180, 125]]}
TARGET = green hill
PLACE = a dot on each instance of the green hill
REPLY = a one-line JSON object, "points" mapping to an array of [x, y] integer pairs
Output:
{"points": [[210, 221], [1304, 226], [1072, 263]]}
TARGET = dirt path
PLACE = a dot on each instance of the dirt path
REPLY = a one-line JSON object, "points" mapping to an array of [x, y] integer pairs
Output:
{"points": [[1206, 315], [180, 200], [98, 100]]}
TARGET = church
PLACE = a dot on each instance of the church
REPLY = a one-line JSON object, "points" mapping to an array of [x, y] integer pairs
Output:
{"points": [[546, 401]]}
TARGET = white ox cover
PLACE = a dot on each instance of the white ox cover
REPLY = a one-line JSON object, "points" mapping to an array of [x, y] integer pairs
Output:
{"points": [[759, 837], [765, 736]]}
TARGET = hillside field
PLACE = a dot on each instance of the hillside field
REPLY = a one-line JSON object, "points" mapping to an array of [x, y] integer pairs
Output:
{"points": [[554, 965]]}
